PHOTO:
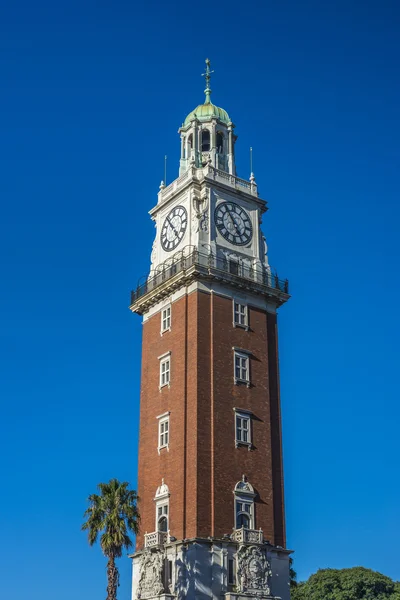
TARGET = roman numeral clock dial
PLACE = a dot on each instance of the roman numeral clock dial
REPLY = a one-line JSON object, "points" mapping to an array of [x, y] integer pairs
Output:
{"points": [[233, 223], [173, 228]]}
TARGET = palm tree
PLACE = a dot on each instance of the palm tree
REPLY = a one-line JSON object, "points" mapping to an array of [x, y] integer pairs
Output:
{"points": [[113, 513]]}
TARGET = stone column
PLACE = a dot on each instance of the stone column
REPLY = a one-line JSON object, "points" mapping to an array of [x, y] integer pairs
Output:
{"points": [[183, 147], [195, 143], [231, 168]]}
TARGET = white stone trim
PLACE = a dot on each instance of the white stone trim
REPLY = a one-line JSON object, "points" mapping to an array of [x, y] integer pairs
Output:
{"points": [[243, 410], [242, 350], [251, 300], [166, 414]]}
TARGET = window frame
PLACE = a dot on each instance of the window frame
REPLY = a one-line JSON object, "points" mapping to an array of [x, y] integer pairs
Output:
{"points": [[166, 319], [241, 355], [245, 312], [162, 504], [250, 513], [161, 500], [244, 494], [245, 416], [162, 420], [164, 359]]}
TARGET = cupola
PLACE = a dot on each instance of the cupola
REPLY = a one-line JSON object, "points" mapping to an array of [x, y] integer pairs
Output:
{"points": [[207, 135]]}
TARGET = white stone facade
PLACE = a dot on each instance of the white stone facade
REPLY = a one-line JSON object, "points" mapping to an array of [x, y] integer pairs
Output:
{"points": [[199, 570], [199, 191]]}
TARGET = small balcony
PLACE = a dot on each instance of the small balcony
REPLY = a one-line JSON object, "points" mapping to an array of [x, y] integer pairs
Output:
{"points": [[189, 264], [248, 536], [157, 539]]}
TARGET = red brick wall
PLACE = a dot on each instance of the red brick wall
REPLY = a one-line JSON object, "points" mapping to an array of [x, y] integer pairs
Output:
{"points": [[203, 465]]}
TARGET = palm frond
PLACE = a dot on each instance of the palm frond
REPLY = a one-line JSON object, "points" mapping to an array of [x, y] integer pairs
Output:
{"points": [[112, 514]]}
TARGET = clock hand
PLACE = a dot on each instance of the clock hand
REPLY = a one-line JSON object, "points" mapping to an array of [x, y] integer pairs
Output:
{"points": [[233, 221], [172, 227]]}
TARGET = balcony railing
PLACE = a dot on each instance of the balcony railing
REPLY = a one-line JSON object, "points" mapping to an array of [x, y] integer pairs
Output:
{"points": [[210, 172], [157, 538], [248, 536], [191, 260]]}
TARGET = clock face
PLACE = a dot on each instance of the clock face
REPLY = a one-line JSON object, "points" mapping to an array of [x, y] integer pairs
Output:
{"points": [[173, 228], [233, 223]]}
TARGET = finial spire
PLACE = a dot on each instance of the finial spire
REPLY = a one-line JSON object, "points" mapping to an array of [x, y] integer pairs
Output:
{"points": [[207, 75]]}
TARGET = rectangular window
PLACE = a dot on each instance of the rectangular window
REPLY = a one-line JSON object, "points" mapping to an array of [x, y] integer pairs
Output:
{"points": [[165, 371], [231, 572], [243, 432], [163, 433], [240, 314], [242, 370], [166, 319]]}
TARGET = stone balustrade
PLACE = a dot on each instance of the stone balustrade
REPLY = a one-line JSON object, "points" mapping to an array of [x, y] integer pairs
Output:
{"points": [[155, 539], [248, 536]]}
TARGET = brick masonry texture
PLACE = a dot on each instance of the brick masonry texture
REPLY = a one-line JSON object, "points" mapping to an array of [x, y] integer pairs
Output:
{"points": [[202, 465]]}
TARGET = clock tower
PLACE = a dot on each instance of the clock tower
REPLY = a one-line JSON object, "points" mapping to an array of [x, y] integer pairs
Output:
{"points": [[210, 476]]}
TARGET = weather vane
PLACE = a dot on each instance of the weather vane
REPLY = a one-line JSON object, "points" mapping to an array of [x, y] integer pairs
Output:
{"points": [[207, 75]]}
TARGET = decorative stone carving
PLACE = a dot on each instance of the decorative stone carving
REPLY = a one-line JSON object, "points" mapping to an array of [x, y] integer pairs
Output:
{"points": [[150, 578], [200, 217], [162, 491], [264, 252], [153, 254], [253, 571], [244, 486]]}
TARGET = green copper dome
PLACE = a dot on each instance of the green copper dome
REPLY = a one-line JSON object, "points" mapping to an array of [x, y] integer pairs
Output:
{"points": [[206, 111]]}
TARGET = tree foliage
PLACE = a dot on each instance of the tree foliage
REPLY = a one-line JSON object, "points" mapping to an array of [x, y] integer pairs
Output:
{"points": [[357, 583], [113, 515]]}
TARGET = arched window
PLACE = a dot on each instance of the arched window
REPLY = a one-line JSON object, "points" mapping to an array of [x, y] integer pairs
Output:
{"points": [[205, 140], [162, 507], [244, 504], [243, 517], [220, 142], [163, 520]]}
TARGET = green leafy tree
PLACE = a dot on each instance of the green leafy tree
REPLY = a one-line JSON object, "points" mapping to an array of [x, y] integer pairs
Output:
{"points": [[347, 584], [112, 514], [293, 575]]}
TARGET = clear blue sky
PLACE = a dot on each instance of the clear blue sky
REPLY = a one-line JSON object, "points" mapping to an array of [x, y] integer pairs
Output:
{"points": [[92, 95]]}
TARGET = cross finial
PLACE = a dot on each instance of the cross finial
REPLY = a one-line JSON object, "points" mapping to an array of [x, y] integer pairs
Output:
{"points": [[207, 75]]}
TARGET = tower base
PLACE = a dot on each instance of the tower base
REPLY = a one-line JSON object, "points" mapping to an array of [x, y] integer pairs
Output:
{"points": [[211, 569]]}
